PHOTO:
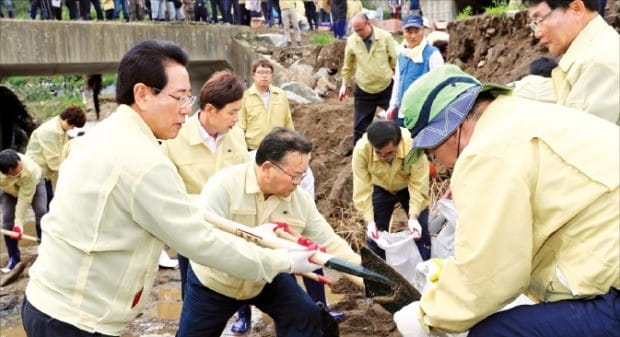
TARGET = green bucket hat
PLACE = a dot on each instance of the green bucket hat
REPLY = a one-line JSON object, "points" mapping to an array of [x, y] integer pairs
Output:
{"points": [[437, 103]]}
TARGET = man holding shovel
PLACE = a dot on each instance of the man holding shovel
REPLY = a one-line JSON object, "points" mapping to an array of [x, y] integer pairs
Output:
{"points": [[262, 191], [118, 200], [20, 186], [536, 191]]}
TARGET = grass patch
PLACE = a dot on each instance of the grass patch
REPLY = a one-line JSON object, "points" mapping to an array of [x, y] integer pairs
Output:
{"points": [[44, 110], [322, 39], [499, 8], [465, 13]]}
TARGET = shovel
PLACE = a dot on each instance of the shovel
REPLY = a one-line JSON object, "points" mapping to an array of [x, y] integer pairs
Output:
{"points": [[319, 257], [12, 234], [393, 296]]}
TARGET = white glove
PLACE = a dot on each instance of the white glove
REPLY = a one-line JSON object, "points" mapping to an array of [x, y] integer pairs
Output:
{"points": [[371, 230], [407, 321], [427, 273], [343, 92], [266, 230], [300, 263], [415, 228]]}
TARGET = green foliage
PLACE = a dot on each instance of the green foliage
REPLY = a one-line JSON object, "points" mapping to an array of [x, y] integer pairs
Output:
{"points": [[108, 80], [498, 8], [322, 38], [45, 109], [46, 96], [35, 89], [465, 13]]}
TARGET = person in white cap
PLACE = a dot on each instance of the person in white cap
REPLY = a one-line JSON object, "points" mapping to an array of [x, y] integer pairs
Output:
{"points": [[416, 57]]}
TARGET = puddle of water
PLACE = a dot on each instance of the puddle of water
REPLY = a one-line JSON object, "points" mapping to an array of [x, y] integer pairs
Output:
{"points": [[169, 310], [14, 331]]}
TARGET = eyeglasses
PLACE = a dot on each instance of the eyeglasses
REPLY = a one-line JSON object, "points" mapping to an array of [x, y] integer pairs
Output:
{"points": [[296, 179], [182, 101], [535, 25], [263, 72]]}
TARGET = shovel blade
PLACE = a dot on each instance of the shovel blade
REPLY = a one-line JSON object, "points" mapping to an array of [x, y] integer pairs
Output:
{"points": [[399, 289], [347, 267]]}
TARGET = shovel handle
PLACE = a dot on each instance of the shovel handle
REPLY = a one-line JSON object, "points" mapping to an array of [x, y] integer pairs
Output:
{"points": [[250, 234], [24, 236]]}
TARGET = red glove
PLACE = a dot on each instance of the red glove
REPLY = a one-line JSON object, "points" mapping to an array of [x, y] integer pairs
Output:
{"points": [[19, 231], [343, 92], [391, 113]]}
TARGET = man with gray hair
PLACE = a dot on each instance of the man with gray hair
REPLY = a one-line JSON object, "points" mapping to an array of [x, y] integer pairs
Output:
{"points": [[370, 56], [587, 77]]}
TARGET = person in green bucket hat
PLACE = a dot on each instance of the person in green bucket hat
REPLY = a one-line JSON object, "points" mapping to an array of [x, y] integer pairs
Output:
{"points": [[535, 187]]}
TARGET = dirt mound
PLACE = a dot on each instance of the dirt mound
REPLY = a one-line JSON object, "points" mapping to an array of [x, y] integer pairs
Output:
{"points": [[492, 48]]}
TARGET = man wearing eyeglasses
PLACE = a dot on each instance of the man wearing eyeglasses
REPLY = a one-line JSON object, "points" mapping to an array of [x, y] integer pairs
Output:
{"points": [[381, 180], [119, 198], [587, 77], [263, 107], [263, 191]]}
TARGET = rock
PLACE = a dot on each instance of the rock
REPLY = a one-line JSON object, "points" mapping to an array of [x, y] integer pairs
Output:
{"points": [[322, 72], [481, 64], [301, 90], [264, 50], [296, 98], [302, 73], [491, 31], [276, 40], [323, 85]]}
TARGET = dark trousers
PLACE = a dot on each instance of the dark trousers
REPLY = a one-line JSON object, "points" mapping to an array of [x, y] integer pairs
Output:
{"points": [[205, 312], [7, 205], [201, 13], [118, 5], [324, 16], [183, 266], [597, 317], [271, 4], [49, 192], [233, 11], [73, 10], [215, 4], [316, 291], [311, 14], [85, 9], [365, 106], [46, 9], [383, 203], [39, 324], [246, 15], [601, 8]]}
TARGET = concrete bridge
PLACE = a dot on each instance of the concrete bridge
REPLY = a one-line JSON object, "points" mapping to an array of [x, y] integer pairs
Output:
{"points": [[29, 47]]}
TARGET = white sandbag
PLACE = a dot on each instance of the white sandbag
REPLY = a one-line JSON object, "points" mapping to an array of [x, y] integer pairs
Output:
{"points": [[401, 252]]}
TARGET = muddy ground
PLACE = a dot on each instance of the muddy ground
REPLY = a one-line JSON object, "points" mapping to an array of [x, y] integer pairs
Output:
{"points": [[491, 48]]}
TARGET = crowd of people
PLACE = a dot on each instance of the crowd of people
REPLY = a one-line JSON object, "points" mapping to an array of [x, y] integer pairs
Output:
{"points": [[534, 178]]}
